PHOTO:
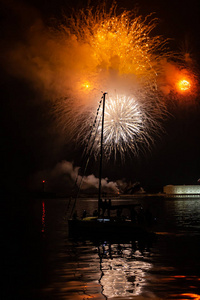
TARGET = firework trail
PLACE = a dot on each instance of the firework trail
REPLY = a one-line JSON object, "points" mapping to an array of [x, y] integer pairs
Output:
{"points": [[122, 59]]}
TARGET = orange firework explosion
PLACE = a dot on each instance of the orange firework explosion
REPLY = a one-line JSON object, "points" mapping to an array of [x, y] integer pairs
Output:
{"points": [[120, 43], [180, 83], [184, 85]]}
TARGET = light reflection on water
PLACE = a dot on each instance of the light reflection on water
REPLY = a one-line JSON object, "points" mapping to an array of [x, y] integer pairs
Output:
{"points": [[43, 216], [52, 266], [102, 271], [168, 269], [84, 269], [186, 213], [123, 270]]}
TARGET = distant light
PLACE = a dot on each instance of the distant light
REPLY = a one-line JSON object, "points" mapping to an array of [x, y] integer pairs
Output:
{"points": [[43, 181]]}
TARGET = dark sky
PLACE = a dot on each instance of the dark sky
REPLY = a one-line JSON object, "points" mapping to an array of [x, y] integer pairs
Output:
{"points": [[29, 141]]}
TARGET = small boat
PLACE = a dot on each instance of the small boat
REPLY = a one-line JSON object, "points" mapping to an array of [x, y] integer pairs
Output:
{"points": [[102, 227]]}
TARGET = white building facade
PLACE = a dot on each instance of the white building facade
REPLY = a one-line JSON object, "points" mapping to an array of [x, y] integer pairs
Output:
{"points": [[182, 190]]}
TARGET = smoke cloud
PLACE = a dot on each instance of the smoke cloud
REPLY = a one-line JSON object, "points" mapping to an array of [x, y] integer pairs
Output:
{"points": [[52, 60], [63, 178], [37, 55]]}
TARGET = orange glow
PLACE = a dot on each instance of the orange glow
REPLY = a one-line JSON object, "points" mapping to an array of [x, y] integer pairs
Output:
{"points": [[191, 296], [181, 82], [184, 85], [86, 85], [118, 42], [168, 279]]}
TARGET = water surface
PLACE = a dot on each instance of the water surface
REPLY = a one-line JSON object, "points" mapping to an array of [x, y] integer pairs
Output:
{"points": [[41, 262]]}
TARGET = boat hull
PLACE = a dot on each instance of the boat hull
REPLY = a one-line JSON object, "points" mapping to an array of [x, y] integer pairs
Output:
{"points": [[104, 228]]}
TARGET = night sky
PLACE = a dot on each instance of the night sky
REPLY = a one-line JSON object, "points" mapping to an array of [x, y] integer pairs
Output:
{"points": [[30, 140]]}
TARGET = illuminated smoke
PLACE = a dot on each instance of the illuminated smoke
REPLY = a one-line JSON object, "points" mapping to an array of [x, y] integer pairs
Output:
{"points": [[180, 84], [179, 81], [119, 42], [64, 175], [120, 58]]}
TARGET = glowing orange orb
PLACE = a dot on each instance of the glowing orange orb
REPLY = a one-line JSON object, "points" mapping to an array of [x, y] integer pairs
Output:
{"points": [[184, 85], [86, 85]]}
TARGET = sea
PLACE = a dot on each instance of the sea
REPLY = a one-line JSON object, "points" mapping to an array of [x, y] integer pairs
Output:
{"points": [[40, 261]]}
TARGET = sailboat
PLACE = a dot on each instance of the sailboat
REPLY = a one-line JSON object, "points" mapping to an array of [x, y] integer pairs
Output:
{"points": [[100, 227]]}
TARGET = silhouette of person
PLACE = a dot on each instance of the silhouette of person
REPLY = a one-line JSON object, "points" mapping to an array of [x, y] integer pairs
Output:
{"points": [[84, 214], [133, 215], [74, 215]]}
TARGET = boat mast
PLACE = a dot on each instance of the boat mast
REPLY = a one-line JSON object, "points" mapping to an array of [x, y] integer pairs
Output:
{"points": [[101, 154]]}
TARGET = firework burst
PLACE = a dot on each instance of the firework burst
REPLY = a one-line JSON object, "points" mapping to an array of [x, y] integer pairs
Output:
{"points": [[180, 84], [116, 54], [119, 42], [127, 124]]}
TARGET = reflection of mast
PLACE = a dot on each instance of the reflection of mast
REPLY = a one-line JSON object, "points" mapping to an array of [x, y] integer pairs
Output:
{"points": [[101, 153], [101, 259]]}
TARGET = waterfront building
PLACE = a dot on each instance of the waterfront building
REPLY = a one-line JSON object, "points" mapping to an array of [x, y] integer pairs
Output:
{"points": [[182, 190]]}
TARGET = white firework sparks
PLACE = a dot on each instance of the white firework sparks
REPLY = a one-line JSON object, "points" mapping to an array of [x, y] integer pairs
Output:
{"points": [[123, 118], [123, 121], [126, 124]]}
